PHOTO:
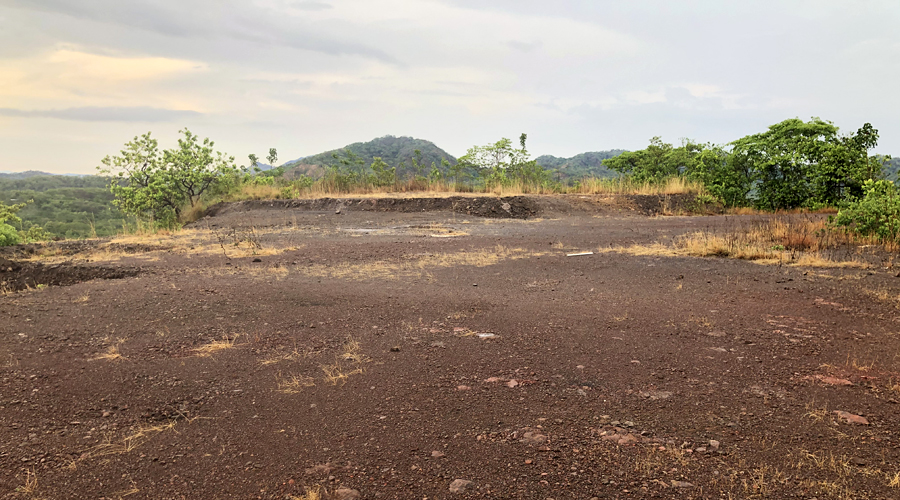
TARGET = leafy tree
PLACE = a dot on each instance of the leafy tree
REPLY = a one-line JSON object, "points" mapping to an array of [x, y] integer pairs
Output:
{"points": [[273, 156], [657, 162], [726, 176], [382, 174], [150, 183]]}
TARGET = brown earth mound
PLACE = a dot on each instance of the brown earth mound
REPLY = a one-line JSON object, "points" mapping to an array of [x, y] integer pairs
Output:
{"points": [[513, 207], [15, 276]]}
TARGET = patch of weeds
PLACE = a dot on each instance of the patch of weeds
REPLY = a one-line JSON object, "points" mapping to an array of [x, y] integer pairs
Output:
{"points": [[350, 362], [31, 483], [112, 353], [293, 383], [216, 346], [128, 443], [313, 493]]}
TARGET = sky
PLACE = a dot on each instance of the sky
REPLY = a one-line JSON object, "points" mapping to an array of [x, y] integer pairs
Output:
{"points": [[80, 78]]}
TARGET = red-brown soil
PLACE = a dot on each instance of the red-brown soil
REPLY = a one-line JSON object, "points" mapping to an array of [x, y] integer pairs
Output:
{"points": [[458, 347]]}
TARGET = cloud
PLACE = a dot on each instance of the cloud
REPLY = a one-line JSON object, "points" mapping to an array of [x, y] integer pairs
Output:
{"points": [[523, 46], [216, 19], [105, 114]]}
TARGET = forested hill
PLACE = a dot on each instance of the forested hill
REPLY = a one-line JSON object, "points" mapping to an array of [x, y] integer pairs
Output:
{"points": [[65, 206], [22, 175], [582, 165], [892, 169], [395, 151]]}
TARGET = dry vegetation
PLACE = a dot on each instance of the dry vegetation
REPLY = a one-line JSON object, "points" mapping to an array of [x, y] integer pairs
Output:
{"points": [[796, 240]]}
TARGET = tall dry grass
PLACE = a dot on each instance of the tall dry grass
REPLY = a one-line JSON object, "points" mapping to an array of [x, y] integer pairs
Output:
{"points": [[625, 185], [786, 239]]}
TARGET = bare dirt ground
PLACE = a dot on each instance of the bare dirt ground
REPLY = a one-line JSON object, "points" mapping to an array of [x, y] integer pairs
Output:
{"points": [[378, 354]]}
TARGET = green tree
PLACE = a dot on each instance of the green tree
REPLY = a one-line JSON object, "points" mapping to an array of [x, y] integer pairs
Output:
{"points": [[657, 162], [149, 183], [501, 163]]}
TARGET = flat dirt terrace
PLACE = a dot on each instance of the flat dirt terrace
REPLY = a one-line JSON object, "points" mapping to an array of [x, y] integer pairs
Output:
{"points": [[276, 349]]}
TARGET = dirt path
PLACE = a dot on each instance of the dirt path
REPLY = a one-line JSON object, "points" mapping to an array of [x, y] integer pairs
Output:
{"points": [[396, 353]]}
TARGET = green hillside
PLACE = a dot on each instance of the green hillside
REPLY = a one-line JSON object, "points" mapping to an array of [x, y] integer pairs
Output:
{"points": [[64, 206], [395, 151], [581, 165]]}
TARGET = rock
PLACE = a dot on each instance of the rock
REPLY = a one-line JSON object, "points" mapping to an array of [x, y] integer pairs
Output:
{"points": [[460, 486], [628, 439], [462, 388], [681, 484], [701, 449], [396, 348], [512, 383], [338, 211], [851, 418], [493, 380], [345, 494], [437, 454], [655, 395], [713, 445], [833, 380], [858, 462], [257, 260], [529, 461], [531, 437], [628, 424]]}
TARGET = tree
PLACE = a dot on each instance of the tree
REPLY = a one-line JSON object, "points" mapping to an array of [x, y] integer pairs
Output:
{"points": [[273, 157], [501, 163], [159, 185], [657, 162]]}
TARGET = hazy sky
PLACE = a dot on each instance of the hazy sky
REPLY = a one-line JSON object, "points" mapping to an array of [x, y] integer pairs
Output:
{"points": [[79, 78]]}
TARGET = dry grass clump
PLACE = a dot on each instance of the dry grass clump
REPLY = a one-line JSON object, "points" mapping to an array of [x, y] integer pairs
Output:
{"points": [[124, 445], [293, 383], [215, 346], [348, 363], [785, 240], [112, 353]]}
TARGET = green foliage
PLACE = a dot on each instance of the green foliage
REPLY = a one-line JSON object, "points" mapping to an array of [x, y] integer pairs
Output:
{"points": [[159, 184], [656, 163], [501, 164], [64, 206], [580, 166], [8, 235], [397, 152], [35, 234], [797, 163], [876, 214]]}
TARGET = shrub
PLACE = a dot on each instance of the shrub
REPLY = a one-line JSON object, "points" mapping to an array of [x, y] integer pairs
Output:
{"points": [[876, 215]]}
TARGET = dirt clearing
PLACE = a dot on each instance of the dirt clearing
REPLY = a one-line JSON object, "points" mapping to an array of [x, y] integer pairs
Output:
{"points": [[274, 351]]}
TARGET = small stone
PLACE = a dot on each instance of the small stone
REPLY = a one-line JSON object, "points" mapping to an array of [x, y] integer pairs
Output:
{"points": [[857, 462], [628, 424], [681, 484], [460, 485], [257, 260], [338, 211], [531, 437], [106, 414], [701, 449], [346, 494], [713, 445], [512, 383], [529, 461], [396, 348], [851, 418], [462, 388], [437, 454]]}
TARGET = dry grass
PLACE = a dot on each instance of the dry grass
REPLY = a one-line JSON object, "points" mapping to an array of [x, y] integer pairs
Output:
{"points": [[31, 483], [128, 443], [293, 383], [346, 364], [787, 240], [313, 493], [216, 346], [417, 266], [112, 353], [622, 185]]}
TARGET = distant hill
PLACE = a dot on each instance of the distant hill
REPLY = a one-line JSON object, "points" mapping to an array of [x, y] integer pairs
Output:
{"points": [[582, 165], [22, 175], [66, 206], [395, 151], [892, 169]]}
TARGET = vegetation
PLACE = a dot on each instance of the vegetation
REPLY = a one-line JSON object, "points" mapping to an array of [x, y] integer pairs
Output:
{"points": [[63, 206], [581, 166], [793, 164], [159, 185], [8, 234], [877, 214], [397, 152]]}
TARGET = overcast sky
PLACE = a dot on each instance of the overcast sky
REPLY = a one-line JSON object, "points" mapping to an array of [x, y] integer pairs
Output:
{"points": [[79, 78]]}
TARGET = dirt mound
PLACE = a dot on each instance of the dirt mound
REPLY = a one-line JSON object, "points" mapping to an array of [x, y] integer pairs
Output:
{"points": [[15, 276], [512, 207]]}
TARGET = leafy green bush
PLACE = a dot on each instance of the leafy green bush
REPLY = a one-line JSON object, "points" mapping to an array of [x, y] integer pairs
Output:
{"points": [[877, 214], [8, 235]]}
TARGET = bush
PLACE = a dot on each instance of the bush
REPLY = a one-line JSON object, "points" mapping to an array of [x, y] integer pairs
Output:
{"points": [[8, 235], [876, 215]]}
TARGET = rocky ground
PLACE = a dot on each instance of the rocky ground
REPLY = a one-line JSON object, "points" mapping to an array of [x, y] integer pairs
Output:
{"points": [[271, 351]]}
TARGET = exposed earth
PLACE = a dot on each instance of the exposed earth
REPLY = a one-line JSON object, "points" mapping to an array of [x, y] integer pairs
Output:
{"points": [[426, 350]]}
